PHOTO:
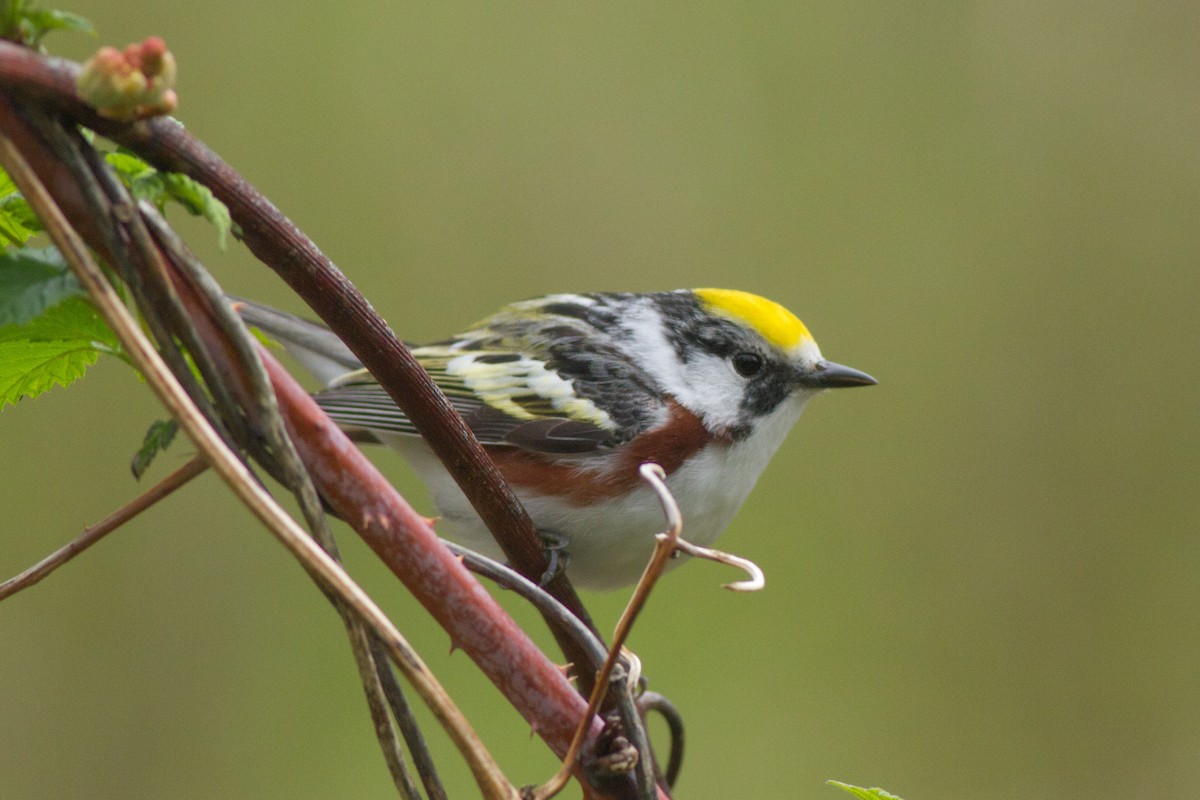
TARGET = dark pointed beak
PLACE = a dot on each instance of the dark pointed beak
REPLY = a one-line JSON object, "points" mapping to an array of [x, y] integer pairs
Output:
{"points": [[828, 375]]}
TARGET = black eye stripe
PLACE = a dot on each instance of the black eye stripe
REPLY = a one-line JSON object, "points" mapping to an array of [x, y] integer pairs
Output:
{"points": [[747, 364]]}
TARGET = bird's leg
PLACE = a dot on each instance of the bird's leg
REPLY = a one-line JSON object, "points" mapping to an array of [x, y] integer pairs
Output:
{"points": [[557, 555]]}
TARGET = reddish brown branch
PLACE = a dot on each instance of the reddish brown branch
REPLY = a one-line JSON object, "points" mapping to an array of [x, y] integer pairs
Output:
{"points": [[404, 541], [474, 622], [272, 237]]}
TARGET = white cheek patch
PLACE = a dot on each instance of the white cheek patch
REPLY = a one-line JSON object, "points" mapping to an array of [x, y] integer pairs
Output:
{"points": [[716, 390], [706, 384]]}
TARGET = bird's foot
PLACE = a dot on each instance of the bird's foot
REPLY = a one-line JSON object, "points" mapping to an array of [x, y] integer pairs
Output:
{"points": [[557, 555]]}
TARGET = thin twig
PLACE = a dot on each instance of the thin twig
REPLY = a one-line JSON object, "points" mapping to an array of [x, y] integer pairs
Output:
{"points": [[277, 241], [663, 547], [627, 708], [538, 597], [656, 477], [634, 725], [404, 540], [96, 532], [236, 475], [123, 250], [370, 674], [153, 286], [755, 583], [653, 701], [281, 458], [265, 424], [407, 723]]}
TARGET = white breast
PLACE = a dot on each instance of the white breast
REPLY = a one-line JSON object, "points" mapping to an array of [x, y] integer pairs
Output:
{"points": [[609, 542]]}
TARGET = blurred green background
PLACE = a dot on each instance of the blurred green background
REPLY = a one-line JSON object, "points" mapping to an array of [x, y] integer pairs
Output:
{"points": [[981, 573]]}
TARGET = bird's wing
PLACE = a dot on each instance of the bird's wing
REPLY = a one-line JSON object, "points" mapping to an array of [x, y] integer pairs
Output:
{"points": [[537, 375], [534, 402]]}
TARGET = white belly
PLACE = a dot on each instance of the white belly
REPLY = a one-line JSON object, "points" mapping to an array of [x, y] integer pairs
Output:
{"points": [[609, 542]]}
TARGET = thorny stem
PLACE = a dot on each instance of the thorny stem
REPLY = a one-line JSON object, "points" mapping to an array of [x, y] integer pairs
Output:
{"points": [[273, 238], [282, 459], [281, 245], [238, 477], [144, 267], [355, 489]]}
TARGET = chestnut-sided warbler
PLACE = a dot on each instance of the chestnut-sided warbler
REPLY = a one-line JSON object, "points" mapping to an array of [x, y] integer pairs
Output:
{"points": [[571, 393]]}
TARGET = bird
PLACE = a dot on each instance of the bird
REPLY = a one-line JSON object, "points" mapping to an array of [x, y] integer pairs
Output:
{"points": [[570, 394]]}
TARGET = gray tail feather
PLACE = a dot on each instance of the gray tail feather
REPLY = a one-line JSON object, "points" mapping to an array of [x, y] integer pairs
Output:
{"points": [[312, 344]]}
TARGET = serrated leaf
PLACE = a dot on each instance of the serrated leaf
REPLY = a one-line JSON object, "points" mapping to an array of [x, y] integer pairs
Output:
{"points": [[146, 183], [74, 318], [199, 199], [142, 180], [128, 166], [31, 281], [28, 369], [148, 187], [17, 220], [864, 794], [158, 438], [12, 229]]}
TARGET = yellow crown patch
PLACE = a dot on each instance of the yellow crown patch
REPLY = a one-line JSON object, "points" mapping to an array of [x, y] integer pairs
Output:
{"points": [[775, 323]]}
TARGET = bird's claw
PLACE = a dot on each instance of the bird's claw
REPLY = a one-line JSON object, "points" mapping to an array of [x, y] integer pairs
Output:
{"points": [[557, 555]]}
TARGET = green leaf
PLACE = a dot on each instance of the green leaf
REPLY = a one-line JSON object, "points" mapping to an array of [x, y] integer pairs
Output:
{"points": [[55, 348], [31, 281], [17, 220], [49, 20], [864, 794], [141, 179], [158, 438], [128, 166], [73, 319], [14, 220], [21, 22], [198, 199], [28, 369], [146, 183]]}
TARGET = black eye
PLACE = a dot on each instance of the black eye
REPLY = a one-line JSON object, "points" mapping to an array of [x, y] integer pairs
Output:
{"points": [[747, 364]]}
